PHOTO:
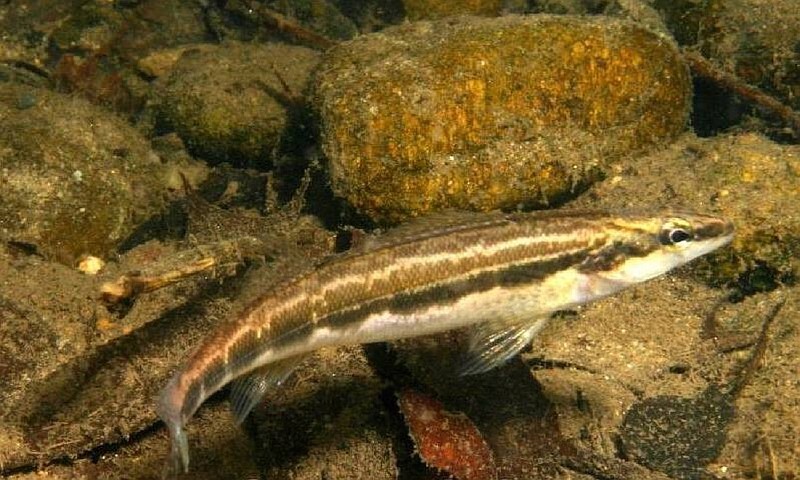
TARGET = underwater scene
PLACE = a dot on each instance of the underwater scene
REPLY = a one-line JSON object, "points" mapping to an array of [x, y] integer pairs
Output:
{"points": [[400, 239]]}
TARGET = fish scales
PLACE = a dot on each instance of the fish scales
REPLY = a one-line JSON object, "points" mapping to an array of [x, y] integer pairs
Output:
{"points": [[379, 274], [438, 275], [374, 276]]}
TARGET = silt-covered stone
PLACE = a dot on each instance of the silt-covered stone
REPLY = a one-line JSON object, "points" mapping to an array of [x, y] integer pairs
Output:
{"points": [[233, 102], [74, 179]]}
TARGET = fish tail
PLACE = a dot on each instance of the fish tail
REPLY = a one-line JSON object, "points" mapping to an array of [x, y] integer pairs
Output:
{"points": [[170, 410]]}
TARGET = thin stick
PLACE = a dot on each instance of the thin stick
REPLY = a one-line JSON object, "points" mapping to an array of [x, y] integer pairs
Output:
{"points": [[132, 284], [753, 363], [212, 257], [289, 27]]}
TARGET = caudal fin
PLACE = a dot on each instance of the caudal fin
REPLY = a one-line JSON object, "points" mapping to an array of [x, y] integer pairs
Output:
{"points": [[169, 409]]}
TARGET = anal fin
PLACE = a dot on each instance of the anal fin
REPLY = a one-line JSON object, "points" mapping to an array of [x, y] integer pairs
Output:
{"points": [[249, 389], [494, 342]]}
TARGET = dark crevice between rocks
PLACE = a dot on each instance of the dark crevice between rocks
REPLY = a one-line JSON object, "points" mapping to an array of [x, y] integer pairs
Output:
{"points": [[23, 249], [320, 201], [173, 222], [760, 278], [714, 110], [168, 225]]}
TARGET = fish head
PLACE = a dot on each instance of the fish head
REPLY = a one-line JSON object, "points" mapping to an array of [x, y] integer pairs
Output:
{"points": [[637, 249]]}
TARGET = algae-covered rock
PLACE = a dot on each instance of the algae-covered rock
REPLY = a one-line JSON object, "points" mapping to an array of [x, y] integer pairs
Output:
{"points": [[757, 185], [489, 113], [233, 102], [74, 179]]}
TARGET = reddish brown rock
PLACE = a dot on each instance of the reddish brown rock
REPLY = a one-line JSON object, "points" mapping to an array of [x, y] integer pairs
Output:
{"points": [[447, 441]]}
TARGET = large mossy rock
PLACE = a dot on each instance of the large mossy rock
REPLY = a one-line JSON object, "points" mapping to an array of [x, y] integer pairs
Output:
{"points": [[480, 114]]}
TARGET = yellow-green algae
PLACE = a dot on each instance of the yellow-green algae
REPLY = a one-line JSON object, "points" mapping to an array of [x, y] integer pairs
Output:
{"points": [[487, 113], [763, 193]]}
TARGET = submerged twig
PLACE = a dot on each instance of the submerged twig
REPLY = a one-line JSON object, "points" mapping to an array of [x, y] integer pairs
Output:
{"points": [[751, 366], [214, 255], [227, 252], [287, 26], [704, 68], [131, 284]]}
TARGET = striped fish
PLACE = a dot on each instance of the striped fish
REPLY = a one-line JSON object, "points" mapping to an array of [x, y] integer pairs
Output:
{"points": [[501, 274]]}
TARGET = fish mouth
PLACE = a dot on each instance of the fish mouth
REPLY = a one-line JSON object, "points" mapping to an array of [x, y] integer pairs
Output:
{"points": [[709, 245]]}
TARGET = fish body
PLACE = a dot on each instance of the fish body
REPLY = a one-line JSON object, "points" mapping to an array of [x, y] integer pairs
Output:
{"points": [[502, 274]]}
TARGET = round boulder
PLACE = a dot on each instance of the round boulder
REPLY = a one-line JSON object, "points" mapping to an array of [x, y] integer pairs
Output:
{"points": [[234, 102]]}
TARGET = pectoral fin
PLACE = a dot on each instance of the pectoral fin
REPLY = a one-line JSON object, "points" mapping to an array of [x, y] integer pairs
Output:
{"points": [[493, 343], [249, 389]]}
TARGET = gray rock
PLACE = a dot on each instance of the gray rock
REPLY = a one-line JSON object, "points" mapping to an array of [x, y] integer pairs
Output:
{"points": [[75, 178]]}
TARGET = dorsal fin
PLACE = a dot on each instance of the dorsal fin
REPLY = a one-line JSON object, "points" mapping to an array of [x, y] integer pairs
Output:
{"points": [[493, 343], [432, 225], [249, 389]]}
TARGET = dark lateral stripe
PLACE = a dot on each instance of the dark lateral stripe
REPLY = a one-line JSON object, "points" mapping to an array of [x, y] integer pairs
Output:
{"points": [[433, 268], [448, 293], [612, 255], [192, 399], [296, 326], [427, 283], [411, 270], [428, 271], [244, 351], [445, 226]]}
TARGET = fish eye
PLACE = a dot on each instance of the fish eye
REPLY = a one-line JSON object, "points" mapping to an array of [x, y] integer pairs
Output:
{"points": [[674, 236]]}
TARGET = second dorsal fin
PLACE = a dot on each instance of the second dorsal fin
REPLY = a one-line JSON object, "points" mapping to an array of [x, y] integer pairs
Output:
{"points": [[431, 225]]}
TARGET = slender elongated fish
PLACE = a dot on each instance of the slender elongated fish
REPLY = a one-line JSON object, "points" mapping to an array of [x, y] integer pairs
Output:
{"points": [[502, 274]]}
